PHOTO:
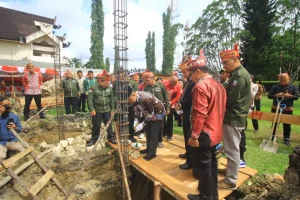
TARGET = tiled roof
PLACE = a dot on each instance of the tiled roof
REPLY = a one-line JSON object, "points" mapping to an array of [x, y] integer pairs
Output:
{"points": [[14, 23]]}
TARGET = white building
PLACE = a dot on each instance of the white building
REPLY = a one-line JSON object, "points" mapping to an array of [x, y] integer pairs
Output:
{"points": [[28, 38]]}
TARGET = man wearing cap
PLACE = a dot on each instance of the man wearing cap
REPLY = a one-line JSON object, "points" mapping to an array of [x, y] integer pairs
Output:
{"points": [[32, 82], [101, 104], [158, 90], [174, 92], [186, 105], [290, 94], [224, 77], [237, 108], [152, 112], [207, 95], [71, 90]]}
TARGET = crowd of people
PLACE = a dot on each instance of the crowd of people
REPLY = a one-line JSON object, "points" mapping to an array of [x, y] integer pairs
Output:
{"points": [[210, 111]]}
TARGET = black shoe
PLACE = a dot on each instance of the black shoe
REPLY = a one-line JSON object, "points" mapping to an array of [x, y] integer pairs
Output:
{"points": [[183, 156], [113, 141], [193, 196], [185, 166], [144, 151], [42, 117], [90, 143], [287, 142], [149, 157], [132, 139]]}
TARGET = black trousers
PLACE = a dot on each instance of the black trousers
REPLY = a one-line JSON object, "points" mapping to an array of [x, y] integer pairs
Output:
{"points": [[152, 135], [96, 121], [131, 120], [286, 127], [168, 128], [81, 103], [205, 163], [257, 108], [70, 102], [187, 132], [177, 118], [38, 101]]}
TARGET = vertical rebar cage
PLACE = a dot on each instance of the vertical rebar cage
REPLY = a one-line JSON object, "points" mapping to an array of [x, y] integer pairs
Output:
{"points": [[58, 90], [122, 123]]}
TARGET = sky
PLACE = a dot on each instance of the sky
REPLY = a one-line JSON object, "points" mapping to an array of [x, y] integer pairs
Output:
{"points": [[143, 16]]}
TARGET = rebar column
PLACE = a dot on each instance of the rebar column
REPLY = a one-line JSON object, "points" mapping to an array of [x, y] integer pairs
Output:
{"points": [[122, 123], [58, 90]]}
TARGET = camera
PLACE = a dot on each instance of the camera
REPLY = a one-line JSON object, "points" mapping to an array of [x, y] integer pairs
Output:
{"points": [[10, 121], [7, 107]]}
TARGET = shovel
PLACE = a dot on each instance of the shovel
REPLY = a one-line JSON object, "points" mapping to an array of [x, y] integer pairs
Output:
{"points": [[264, 142], [273, 146]]}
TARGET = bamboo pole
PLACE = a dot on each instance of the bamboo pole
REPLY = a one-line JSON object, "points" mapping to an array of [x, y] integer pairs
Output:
{"points": [[157, 189], [6, 179], [37, 160], [122, 164]]}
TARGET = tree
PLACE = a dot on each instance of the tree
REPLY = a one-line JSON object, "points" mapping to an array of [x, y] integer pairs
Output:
{"points": [[97, 34], [107, 64], [148, 52], [75, 62], [153, 59], [169, 44], [217, 29], [259, 17]]}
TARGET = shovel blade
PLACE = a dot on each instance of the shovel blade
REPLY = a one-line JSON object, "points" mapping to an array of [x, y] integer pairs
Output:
{"points": [[263, 144], [273, 149]]}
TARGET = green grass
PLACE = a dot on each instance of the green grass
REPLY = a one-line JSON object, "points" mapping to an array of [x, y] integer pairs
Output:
{"points": [[258, 159]]}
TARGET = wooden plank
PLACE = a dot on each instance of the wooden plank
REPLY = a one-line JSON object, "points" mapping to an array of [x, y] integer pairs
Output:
{"points": [[38, 186], [9, 162], [247, 170], [171, 165], [268, 116]]}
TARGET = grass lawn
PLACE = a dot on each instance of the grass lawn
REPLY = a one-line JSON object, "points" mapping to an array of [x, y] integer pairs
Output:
{"points": [[258, 159]]}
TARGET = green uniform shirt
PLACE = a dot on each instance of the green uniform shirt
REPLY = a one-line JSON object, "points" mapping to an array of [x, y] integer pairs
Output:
{"points": [[100, 99], [160, 92], [70, 87], [238, 97]]}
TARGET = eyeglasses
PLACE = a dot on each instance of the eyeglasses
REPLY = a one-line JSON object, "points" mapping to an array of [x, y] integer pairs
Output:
{"points": [[226, 61]]}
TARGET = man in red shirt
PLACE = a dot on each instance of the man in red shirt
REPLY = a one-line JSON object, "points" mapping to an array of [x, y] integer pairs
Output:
{"points": [[208, 109], [174, 92]]}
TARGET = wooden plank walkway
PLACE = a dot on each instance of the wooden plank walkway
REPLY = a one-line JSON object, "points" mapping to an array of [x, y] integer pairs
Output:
{"points": [[179, 183]]}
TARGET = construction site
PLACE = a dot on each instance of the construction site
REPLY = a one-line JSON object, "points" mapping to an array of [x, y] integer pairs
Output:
{"points": [[57, 163]]}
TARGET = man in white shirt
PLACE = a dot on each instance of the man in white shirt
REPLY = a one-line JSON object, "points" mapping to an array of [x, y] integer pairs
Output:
{"points": [[82, 97]]}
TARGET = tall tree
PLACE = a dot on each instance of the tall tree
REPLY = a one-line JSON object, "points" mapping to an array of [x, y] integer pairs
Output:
{"points": [[107, 64], [148, 52], [259, 17], [97, 34], [153, 59], [169, 44], [215, 30]]}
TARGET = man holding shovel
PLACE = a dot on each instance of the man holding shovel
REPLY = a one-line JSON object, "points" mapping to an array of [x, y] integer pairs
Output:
{"points": [[290, 93]]}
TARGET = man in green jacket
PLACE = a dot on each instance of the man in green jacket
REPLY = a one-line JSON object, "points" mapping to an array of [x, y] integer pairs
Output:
{"points": [[101, 104], [237, 108], [158, 90], [71, 90]]}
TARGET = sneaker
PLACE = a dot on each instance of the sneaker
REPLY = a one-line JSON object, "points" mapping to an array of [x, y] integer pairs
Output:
{"points": [[141, 136], [242, 164], [225, 185], [287, 142], [160, 145]]}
